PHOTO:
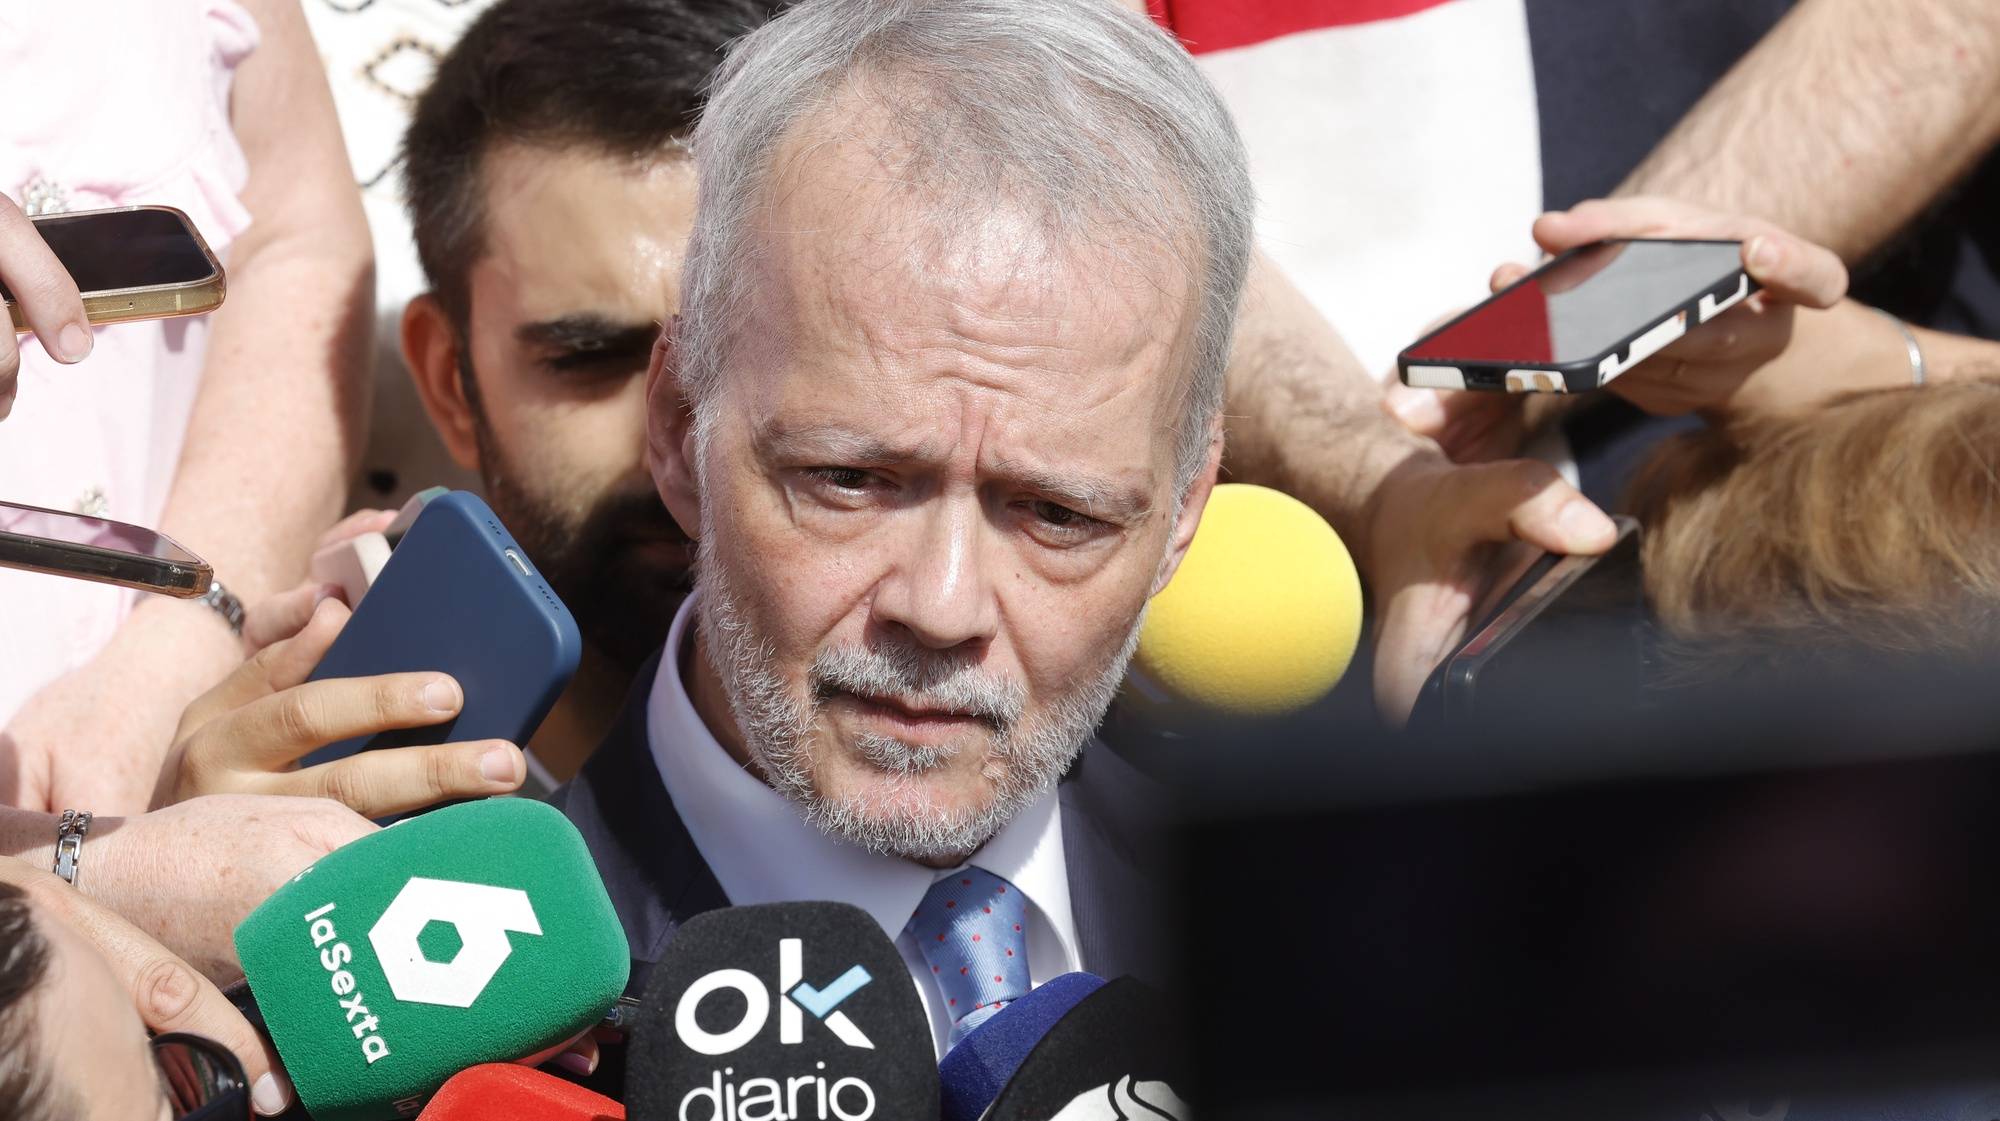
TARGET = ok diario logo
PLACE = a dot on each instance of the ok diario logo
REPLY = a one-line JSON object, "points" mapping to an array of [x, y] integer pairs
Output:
{"points": [[483, 915], [793, 994]]}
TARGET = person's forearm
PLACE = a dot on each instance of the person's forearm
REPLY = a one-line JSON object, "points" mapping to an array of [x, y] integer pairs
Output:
{"points": [[1844, 122], [1850, 348], [276, 429], [278, 425], [1304, 417], [28, 836]]}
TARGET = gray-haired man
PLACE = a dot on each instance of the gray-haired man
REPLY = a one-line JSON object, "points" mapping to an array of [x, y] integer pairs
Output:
{"points": [[943, 403]]}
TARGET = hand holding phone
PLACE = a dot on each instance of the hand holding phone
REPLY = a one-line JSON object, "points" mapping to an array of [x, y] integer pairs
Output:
{"points": [[1565, 638], [1583, 319], [1718, 370], [61, 273], [49, 305], [247, 735], [459, 596], [1592, 317], [125, 263]]}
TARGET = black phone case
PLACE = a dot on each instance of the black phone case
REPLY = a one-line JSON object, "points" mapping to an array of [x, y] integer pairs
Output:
{"points": [[459, 596], [1659, 332], [1456, 697]]}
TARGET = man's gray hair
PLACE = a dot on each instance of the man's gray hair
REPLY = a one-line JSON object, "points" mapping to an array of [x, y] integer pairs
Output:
{"points": [[1078, 111]]}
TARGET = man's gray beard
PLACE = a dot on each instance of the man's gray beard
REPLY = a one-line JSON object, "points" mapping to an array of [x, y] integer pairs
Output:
{"points": [[1027, 756]]}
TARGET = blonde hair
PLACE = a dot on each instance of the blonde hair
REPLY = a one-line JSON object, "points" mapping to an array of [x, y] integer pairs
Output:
{"points": [[1870, 526]]}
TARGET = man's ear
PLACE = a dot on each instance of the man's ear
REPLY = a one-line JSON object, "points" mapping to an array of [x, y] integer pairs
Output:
{"points": [[1189, 518], [431, 351], [670, 433]]}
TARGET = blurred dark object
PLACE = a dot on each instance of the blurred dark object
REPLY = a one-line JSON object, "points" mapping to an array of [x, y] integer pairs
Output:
{"points": [[1769, 888]]}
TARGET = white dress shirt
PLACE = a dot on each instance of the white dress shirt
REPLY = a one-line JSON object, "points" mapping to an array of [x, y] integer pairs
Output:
{"points": [[762, 850]]}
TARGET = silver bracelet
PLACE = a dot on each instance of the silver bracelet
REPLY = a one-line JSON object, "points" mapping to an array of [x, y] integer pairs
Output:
{"points": [[1918, 371], [69, 843], [225, 604]]}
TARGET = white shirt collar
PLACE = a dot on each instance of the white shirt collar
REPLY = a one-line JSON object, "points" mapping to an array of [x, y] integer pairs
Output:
{"points": [[762, 850]]}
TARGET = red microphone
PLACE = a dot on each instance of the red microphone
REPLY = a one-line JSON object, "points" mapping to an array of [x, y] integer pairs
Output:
{"points": [[511, 1092]]}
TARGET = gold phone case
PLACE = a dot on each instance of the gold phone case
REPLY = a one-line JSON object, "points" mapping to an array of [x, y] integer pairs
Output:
{"points": [[183, 577], [161, 301]]}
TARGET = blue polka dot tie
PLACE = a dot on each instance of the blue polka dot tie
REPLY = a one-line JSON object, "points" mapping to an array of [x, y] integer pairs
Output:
{"points": [[971, 928]]}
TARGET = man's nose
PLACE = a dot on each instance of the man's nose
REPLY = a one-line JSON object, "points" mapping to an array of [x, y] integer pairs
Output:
{"points": [[938, 589]]}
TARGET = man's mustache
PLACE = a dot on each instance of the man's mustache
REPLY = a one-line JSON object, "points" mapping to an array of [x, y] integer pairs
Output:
{"points": [[918, 679]]}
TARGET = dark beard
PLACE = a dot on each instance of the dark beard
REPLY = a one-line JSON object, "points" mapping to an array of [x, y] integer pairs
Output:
{"points": [[623, 599]]}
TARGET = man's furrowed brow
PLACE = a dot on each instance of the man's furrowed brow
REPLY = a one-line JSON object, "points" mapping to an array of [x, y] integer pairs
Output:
{"points": [[589, 331], [833, 443], [1099, 498]]}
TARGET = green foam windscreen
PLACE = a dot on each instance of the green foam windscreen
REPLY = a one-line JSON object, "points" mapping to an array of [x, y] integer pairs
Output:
{"points": [[474, 933]]}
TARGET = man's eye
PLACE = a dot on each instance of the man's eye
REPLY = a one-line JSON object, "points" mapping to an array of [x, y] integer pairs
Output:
{"points": [[1058, 524], [1060, 516], [845, 478]]}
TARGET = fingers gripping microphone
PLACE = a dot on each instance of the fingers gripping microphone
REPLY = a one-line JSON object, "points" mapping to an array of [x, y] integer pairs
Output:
{"points": [[509, 1092], [1263, 615], [475, 933], [982, 1064], [1111, 1058], [802, 1011]]}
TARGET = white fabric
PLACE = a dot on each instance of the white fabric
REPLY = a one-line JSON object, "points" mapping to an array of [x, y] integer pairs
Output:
{"points": [[109, 105], [1396, 162], [379, 56], [762, 850]]}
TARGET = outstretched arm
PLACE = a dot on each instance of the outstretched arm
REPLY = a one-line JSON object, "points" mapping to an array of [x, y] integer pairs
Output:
{"points": [[1844, 123], [273, 438]]}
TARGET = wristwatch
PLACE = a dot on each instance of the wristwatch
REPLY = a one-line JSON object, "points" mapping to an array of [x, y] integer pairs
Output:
{"points": [[224, 604], [69, 843]]}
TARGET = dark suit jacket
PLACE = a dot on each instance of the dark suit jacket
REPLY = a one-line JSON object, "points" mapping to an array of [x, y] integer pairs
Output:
{"points": [[658, 880]]}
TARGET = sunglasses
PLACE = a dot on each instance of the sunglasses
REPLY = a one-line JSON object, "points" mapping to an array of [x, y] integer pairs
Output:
{"points": [[204, 1082]]}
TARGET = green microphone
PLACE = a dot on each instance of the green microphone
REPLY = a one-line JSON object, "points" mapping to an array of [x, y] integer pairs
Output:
{"points": [[474, 933]]}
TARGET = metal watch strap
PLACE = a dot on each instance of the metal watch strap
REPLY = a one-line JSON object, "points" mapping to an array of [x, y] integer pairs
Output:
{"points": [[69, 843], [219, 599]]}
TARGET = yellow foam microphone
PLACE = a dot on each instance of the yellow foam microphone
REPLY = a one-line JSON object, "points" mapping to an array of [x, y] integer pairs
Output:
{"points": [[1263, 616]]}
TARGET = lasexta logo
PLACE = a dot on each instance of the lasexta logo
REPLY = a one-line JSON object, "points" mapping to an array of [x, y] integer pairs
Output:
{"points": [[483, 914]]}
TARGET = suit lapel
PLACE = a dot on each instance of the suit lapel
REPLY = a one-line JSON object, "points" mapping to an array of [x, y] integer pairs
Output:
{"points": [[1111, 850], [656, 876]]}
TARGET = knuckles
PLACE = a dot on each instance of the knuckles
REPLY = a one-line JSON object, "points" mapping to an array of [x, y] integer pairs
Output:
{"points": [[43, 288], [347, 785], [165, 990], [438, 774]]}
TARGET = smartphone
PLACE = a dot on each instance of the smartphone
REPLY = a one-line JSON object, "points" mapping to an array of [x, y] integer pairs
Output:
{"points": [[1584, 318], [458, 595], [97, 549], [1569, 635], [131, 262]]}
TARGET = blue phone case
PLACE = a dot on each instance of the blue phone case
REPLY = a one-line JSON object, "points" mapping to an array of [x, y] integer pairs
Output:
{"points": [[459, 596]]}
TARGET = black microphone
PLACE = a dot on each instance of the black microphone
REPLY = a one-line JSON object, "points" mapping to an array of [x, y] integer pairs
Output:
{"points": [[1113, 1057], [795, 1010]]}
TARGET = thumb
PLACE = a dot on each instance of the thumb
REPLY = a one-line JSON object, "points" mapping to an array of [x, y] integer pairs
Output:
{"points": [[1795, 269], [277, 667], [168, 994], [1529, 500], [283, 615]]}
